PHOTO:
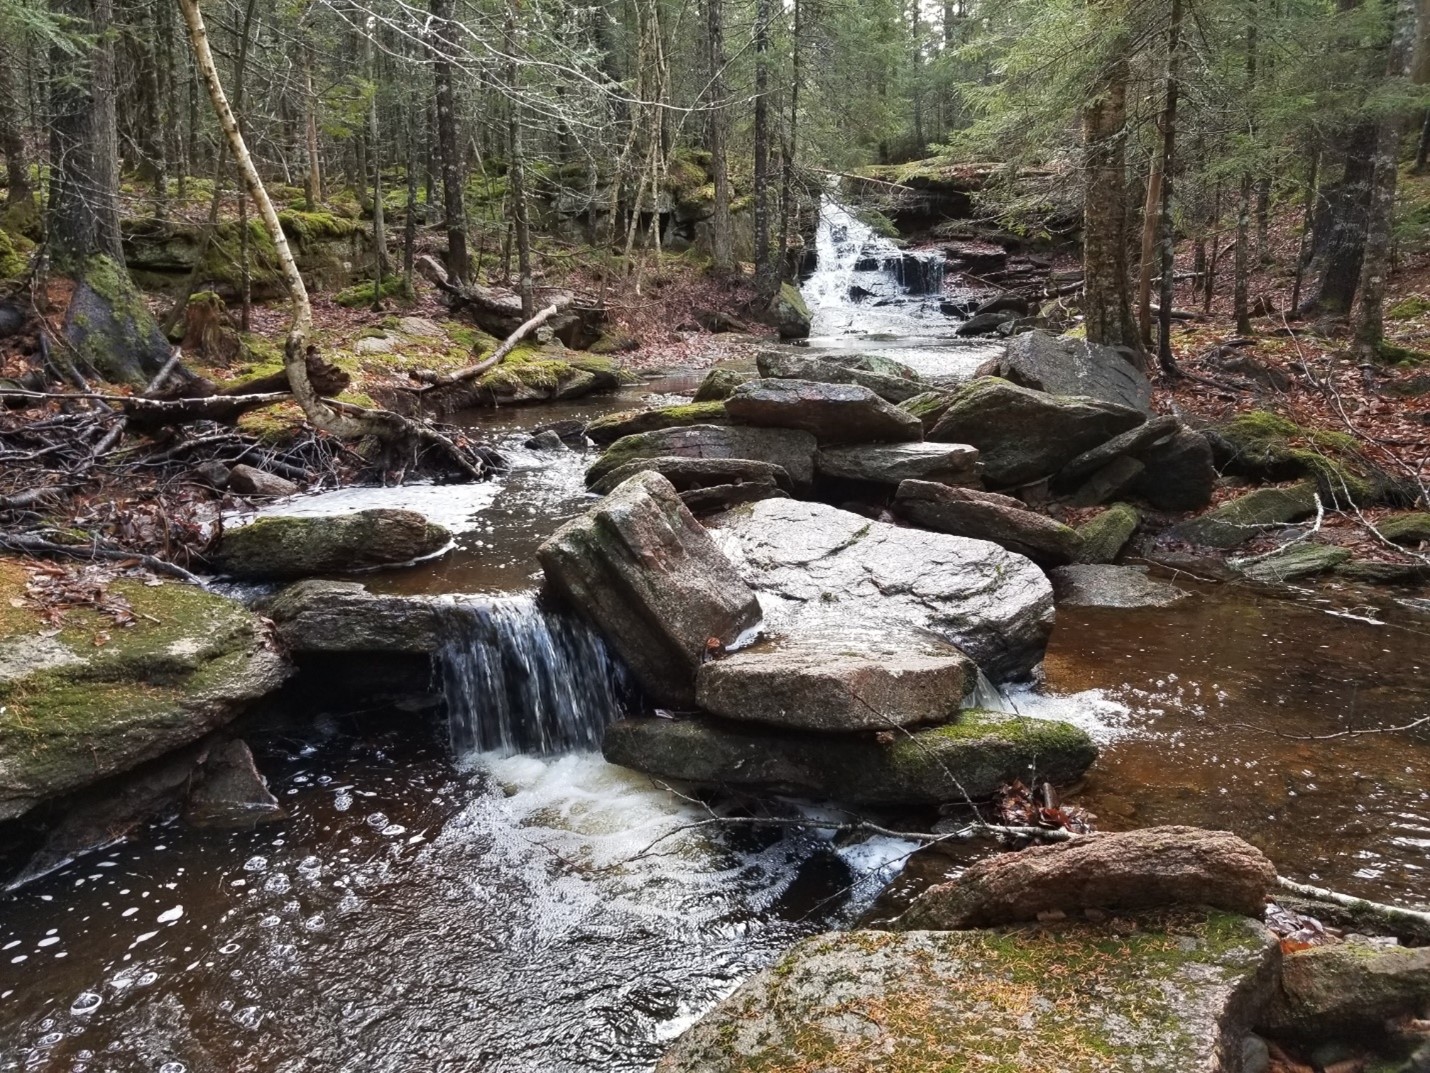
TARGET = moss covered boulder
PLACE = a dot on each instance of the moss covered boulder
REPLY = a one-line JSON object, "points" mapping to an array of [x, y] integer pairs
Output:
{"points": [[1406, 528], [1157, 993], [96, 699], [1350, 986], [789, 313], [109, 328], [1247, 515], [609, 428], [1294, 563], [976, 754], [536, 374], [282, 547], [1268, 447], [1105, 535], [790, 449], [720, 384]]}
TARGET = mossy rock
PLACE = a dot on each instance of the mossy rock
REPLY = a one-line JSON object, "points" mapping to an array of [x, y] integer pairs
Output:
{"points": [[1247, 515], [611, 427], [536, 374], [109, 328], [974, 756], [1300, 561], [720, 384], [1162, 992], [1269, 447], [789, 313], [361, 294], [282, 547], [1415, 305], [15, 250], [928, 406], [98, 699], [1411, 528], [1105, 535]]}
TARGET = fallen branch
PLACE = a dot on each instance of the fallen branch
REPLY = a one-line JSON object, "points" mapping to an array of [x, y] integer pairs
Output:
{"points": [[36, 545], [1338, 734], [1378, 909], [497, 356]]}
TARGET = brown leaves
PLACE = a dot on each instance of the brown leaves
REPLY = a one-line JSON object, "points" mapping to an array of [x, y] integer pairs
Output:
{"points": [[1296, 930], [1018, 806], [53, 591]]}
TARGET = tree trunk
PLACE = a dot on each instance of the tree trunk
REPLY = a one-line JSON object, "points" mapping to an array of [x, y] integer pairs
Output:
{"points": [[448, 142], [1303, 251], [790, 144], [84, 178], [1106, 304], [516, 169], [722, 238], [1165, 357], [765, 278], [379, 223], [1151, 218], [313, 179], [12, 144], [1242, 284], [295, 354], [1375, 266]]}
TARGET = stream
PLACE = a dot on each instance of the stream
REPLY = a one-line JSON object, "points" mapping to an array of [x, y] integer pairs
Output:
{"points": [[490, 895]]}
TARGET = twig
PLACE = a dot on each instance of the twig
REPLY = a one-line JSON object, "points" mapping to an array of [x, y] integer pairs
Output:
{"points": [[1350, 902], [496, 357], [1338, 734], [28, 542]]}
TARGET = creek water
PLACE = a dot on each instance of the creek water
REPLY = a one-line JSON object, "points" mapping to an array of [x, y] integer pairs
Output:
{"points": [[488, 895]]}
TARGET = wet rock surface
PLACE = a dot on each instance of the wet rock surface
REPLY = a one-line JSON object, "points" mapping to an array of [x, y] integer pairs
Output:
{"points": [[890, 380], [832, 413], [1111, 586], [974, 755], [687, 473], [820, 687], [890, 463], [611, 427], [1164, 993], [1104, 535], [343, 617], [821, 571], [790, 449], [73, 712], [278, 547], [230, 791], [1000, 519], [1063, 366], [1024, 435], [1150, 868], [646, 573]]}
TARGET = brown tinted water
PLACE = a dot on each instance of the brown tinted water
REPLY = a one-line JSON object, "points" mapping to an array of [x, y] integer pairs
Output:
{"points": [[499, 915], [1216, 686]]}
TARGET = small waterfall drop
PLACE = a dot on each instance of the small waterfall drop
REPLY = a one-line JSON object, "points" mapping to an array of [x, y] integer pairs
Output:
{"points": [[988, 697], [853, 264], [521, 678]]}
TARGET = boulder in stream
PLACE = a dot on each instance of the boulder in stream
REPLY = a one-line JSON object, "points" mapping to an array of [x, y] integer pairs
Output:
{"points": [[719, 384], [337, 617], [890, 463], [1003, 520], [1090, 585], [685, 474], [974, 755], [815, 686], [230, 791], [789, 313], [609, 428], [1060, 365], [94, 698], [825, 572], [1294, 563], [790, 449], [832, 413], [646, 573], [892, 381], [1024, 435], [1162, 993], [1147, 869], [1348, 987], [284, 547]]}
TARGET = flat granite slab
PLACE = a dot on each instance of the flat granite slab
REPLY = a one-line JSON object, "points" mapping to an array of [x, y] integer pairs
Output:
{"points": [[1155, 993]]}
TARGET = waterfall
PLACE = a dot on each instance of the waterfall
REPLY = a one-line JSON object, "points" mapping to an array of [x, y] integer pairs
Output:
{"points": [[521, 678], [989, 697], [854, 265]]}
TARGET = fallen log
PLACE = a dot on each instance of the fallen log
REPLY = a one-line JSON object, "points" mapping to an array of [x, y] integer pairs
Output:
{"points": [[497, 356], [497, 312]]}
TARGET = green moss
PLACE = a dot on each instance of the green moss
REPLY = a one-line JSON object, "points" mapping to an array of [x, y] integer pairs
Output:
{"points": [[361, 294], [1268, 446], [611, 427], [274, 425], [305, 227], [1102, 538], [14, 256], [1414, 306], [1404, 357], [465, 335], [881, 224]]}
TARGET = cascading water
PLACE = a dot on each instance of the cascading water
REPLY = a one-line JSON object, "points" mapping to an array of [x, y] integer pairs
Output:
{"points": [[868, 294], [520, 678]]}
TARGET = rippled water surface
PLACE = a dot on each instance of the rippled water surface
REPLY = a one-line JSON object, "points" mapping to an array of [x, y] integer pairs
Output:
{"points": [[409, 916]]}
